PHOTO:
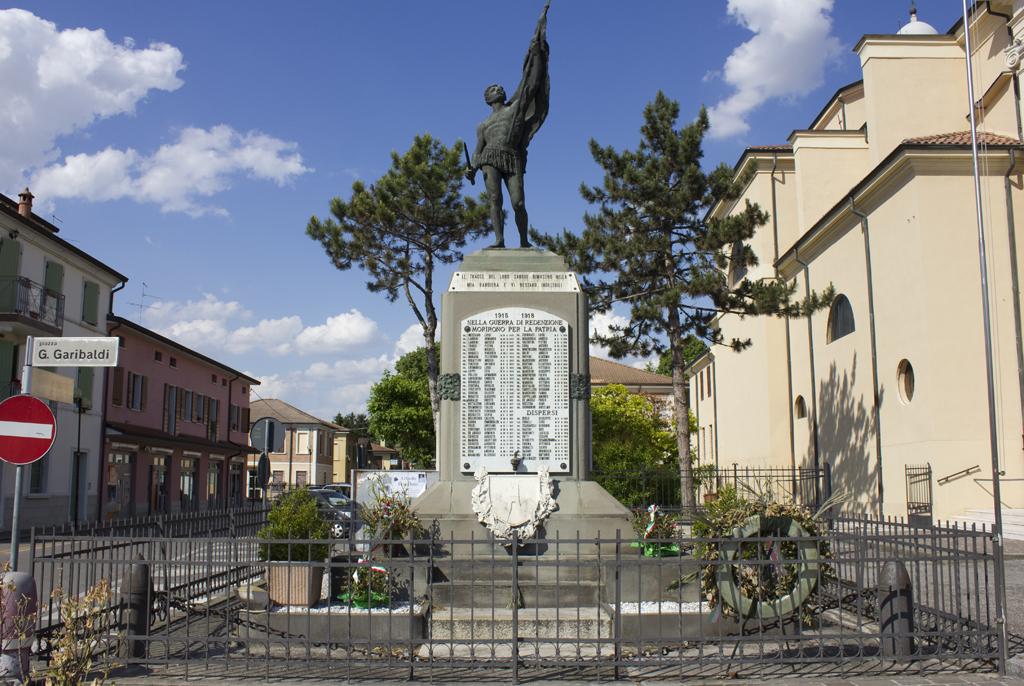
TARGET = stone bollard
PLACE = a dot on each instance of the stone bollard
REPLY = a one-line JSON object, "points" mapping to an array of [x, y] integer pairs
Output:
{"points": [[136, 599], [896, 610], [19, 626]]}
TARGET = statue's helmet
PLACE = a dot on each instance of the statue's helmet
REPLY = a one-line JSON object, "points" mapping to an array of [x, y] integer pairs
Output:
{"points": [[494, 93]]}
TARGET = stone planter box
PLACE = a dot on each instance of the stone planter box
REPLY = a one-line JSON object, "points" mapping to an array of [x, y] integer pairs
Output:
{"points": [[295, 583], [358, 628]]}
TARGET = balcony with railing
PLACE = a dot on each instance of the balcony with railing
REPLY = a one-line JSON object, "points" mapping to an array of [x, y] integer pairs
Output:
{"points": [[32, 304]]}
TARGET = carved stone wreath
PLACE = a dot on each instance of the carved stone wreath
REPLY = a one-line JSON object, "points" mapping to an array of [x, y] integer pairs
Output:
{"points": [[512, 503], [449, 386]]}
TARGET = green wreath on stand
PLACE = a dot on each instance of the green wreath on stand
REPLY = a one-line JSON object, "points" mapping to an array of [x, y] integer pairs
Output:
{"points": [[803, 578]]}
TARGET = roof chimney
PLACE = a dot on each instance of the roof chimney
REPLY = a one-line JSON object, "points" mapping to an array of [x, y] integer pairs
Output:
{"points": [[25, 203]]}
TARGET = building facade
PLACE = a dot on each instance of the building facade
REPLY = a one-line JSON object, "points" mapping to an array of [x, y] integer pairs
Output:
{"points": [[308, 455], [49, 287], [177, 426], [876, 198]]}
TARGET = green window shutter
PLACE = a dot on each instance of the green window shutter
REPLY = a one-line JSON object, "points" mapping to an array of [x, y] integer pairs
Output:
{"points": [[6, 367], [54, 277], [90, 303], [85, 378], [10, 257]]}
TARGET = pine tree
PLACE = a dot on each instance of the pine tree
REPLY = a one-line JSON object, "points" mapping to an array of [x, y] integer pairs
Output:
{"points": [[401, 228], [652, 244]]}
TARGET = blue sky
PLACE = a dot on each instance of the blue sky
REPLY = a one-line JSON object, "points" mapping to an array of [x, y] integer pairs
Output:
{"points": [[187, 144]]}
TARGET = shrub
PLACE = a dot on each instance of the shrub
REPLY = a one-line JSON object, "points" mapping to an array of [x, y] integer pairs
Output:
{"points": [[295, 515]]}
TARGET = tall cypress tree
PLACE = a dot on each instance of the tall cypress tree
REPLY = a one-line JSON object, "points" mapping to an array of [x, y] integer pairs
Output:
{"points": [[651, 244], [401, 228]]}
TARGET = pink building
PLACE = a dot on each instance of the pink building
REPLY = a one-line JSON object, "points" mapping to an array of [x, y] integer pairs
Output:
{"points": [[177, 427]]}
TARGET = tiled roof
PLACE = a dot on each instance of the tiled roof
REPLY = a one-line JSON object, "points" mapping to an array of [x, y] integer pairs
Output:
{"points": [[608, 372], [285, 413], [964, 138]]}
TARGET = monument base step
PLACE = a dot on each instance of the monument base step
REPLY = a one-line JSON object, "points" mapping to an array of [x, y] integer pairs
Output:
{"points": [[466, 624], [463, 594]]}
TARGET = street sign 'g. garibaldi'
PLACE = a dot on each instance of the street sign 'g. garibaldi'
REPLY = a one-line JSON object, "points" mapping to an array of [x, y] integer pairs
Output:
{"points": [[74, 352]]}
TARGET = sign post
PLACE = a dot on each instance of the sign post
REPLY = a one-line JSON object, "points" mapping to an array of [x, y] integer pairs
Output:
{"points": [[267, 434], [24, 436], [27, 430]]}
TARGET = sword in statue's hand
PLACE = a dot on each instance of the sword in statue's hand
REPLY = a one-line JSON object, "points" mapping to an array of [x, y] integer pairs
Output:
{"points": [[470, 172]]}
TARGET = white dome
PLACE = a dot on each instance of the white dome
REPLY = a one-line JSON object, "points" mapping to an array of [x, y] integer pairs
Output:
{"points": [[917, 28]]}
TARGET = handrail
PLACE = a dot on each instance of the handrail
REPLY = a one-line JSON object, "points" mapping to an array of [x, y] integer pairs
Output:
{"points": [[963, 472]]}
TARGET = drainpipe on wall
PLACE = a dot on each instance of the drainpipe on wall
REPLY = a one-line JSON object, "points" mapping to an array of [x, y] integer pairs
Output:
{"points": [[100, 490], [874, 354], [810, 350], [1015, 283], [789, 352], [714, 408]]}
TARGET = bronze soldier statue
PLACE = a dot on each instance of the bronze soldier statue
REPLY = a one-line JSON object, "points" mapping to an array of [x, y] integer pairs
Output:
{"points": [[502, 138]]}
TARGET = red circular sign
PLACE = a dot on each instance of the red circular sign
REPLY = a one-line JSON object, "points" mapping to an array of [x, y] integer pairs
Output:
{"points": [[27, 429]]}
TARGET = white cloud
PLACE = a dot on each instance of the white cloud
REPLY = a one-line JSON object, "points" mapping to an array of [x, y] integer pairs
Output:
{"points": [[599, 324], [272, 336], [341, 333], [53, 83], [786, 57], [200, 164], [410, 339], [164, 313], [212, 324]]}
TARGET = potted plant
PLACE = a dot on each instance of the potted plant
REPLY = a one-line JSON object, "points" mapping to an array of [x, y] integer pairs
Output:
{"points": [[295, 516]]}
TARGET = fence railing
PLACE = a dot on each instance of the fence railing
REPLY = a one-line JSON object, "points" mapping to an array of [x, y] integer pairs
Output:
{"points": [[213, 523], [19, 295], [643, 487], [610, 607]]}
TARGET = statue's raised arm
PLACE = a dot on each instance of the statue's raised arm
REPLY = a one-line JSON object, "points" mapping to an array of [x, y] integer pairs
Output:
{"points": [[503, 137]]}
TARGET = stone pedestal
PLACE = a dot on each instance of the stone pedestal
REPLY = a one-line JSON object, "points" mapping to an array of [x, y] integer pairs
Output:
{"points": [[515, 389]]}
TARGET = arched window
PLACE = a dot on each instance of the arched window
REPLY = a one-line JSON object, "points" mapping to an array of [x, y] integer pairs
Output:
{"points": [[840, 319], [800, 407]]}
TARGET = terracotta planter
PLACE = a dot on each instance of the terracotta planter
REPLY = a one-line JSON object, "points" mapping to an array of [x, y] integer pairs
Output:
{"points": [[295, 583]]}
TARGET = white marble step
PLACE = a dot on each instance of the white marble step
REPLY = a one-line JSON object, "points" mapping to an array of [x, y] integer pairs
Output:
{"points": [[1013, 522]]}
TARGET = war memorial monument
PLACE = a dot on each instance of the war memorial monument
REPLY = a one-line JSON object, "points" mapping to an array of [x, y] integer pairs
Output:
{"points": [[513, 439]]}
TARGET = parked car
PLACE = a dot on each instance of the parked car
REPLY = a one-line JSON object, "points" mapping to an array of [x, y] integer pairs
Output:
{"points": [[344, 489], [341, 511]]}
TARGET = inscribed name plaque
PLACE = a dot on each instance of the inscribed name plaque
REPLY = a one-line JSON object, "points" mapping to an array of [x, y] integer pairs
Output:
{"points": [[515, 391], [515, 282]]}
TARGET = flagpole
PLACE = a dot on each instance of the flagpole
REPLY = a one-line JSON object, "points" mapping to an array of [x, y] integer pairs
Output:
{"points": [[987, 318]]}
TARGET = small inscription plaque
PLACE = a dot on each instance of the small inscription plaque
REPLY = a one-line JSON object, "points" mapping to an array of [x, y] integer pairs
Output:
{"points": [[515, 390], [516, 282]]}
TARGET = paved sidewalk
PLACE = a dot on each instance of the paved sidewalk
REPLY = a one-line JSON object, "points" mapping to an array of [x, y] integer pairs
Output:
{"points": [[952, 679]]}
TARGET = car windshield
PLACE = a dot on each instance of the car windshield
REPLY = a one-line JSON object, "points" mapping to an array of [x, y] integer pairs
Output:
{"points": [[334, 499]]}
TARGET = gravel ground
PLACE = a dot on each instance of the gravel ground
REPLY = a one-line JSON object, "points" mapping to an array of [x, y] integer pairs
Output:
{"points": [[1013, 552]]}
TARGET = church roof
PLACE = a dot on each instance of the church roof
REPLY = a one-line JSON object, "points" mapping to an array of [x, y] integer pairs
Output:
{"points": [[964, 138], [604, 372]]}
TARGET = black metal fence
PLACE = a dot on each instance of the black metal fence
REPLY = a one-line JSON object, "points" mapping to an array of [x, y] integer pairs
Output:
{"points": [[236, 521], [605, 608], [641, 488]]}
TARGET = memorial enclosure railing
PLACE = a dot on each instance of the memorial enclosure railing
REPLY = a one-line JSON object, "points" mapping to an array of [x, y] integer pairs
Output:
{"points": [[605, 608], [642, 487]]}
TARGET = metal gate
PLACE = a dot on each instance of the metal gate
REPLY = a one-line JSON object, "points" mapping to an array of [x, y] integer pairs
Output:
{"points": [[919, 494]]}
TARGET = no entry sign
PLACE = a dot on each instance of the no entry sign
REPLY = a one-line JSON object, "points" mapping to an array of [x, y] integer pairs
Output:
{"points": [[27, 429]]}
